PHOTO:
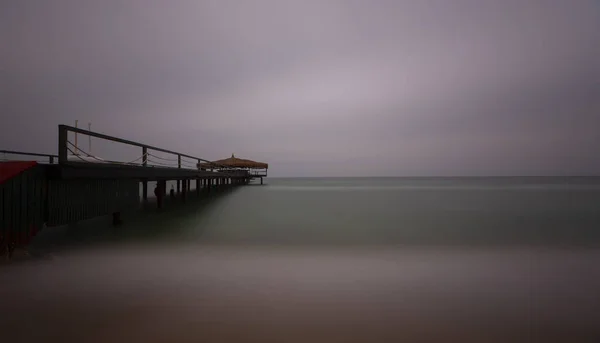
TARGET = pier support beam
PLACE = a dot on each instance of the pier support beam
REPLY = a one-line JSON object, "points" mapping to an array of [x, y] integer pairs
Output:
{"points": [[261, 180], [145, 190], [161, 187], [144, 163], [178, 186], [198, 186]]}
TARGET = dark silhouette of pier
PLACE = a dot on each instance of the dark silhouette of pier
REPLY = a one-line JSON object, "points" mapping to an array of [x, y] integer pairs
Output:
{"points": [[44, 190]]}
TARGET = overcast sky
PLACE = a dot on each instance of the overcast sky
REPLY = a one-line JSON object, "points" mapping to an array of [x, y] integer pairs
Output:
{"points": [[315, 88]]}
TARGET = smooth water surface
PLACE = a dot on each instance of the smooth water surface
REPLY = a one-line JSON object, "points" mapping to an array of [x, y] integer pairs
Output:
{"points": [[332, 260]]}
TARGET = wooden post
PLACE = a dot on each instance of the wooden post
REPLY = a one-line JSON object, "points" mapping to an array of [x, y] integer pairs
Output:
{"points": [[145, 190], [145, 182], [198, 186], [183, 189], [261, 180], [62, 143], [161, 186], [178, 181]]}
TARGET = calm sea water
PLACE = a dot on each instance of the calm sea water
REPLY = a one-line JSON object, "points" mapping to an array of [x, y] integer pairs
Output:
{"points": [[475, 259], [396, 211]]}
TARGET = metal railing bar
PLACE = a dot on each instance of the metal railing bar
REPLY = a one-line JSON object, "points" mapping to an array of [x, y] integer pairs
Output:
{"points": [[12, 152], [125, 141]]}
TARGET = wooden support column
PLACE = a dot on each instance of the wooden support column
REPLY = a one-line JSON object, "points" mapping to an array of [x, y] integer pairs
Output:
{"points": [[161, 187], [62, 144], [183, 190], [179, 181], [261, 180], [144, 190], [145, 182], [198, 186]]}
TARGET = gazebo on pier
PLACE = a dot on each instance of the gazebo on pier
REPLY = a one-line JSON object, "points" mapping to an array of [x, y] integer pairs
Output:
{"points": [[254, 169]]}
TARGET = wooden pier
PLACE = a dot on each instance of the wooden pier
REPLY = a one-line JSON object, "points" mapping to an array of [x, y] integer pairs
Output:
{"points": [[76, 185]]}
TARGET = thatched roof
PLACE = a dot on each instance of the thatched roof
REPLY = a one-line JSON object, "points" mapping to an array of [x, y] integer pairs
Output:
{"points": [[234, 162]]}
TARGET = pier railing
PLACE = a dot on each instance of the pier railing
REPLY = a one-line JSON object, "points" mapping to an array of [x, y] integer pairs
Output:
{"points": [[47, 157], [147, 156], [259, 173]]}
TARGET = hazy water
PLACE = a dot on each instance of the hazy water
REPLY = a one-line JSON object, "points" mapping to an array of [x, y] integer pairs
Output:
{"points": [[484, 259], [408, 211], [400, 211]]}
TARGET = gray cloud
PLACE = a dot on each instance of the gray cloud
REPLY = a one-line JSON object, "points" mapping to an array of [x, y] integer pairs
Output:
{"points": [[314, 87]]}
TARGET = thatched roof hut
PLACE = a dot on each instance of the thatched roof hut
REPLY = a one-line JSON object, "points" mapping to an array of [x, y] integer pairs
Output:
{"points": [[234, 162]]}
